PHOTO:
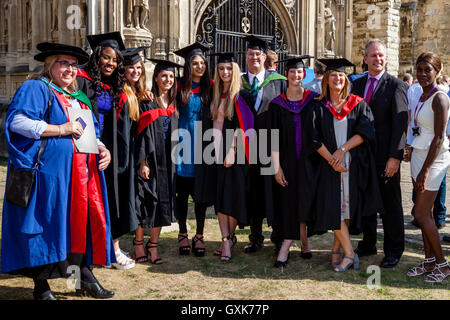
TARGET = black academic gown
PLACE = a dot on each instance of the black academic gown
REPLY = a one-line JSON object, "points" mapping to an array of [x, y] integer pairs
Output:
{"points": [[205, 186], [261, 185], [121, 173], [365, 199], [233, 186], [155, 197], [292, 203], [118, 134]]}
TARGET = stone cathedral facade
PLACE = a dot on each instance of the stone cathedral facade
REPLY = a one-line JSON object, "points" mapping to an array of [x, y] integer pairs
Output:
{"points": [[321, 28]]}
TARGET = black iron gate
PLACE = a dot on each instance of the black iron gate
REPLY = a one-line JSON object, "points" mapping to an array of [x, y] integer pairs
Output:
{"points": [[225, 23]]}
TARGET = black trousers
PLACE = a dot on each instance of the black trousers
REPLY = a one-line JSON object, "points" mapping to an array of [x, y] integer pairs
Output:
{"points": [[257, 208], [392, 217]]}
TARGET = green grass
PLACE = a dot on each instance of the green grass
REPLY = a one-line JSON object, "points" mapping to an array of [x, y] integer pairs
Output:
{"points": [[247, 276]]}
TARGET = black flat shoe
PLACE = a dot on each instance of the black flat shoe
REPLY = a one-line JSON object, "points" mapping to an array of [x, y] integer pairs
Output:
{"points": [[389, 262], [94, 290], [306, 255], [48, 295], [253, 247]]}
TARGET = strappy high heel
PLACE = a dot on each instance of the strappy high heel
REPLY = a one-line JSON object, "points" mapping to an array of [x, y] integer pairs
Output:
{"points": [[233, 239], [148, 246], [334, 264], [225, 258], [198, 252], [420, 269], [123, 262], [137, 243], [183, 250], [437, 276], [353, 265]]}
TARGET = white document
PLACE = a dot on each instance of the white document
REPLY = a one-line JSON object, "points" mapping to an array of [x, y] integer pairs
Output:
{"points": [[87, 142]]}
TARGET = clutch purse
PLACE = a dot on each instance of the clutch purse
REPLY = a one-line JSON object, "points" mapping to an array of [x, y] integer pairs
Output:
{"points": [[20, 182]]}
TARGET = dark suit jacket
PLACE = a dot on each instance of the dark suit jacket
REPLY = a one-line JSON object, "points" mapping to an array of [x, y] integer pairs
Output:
{"points": [[389, 105]]}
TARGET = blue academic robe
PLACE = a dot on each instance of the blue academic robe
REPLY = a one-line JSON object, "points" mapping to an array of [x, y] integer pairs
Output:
{"points": [[40, 234]]}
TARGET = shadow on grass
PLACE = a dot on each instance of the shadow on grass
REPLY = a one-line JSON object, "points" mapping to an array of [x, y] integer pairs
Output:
{"points": [[259, 265]]}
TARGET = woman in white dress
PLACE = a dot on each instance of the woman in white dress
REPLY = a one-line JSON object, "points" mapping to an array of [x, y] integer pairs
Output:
{"points": [[430, 159]]}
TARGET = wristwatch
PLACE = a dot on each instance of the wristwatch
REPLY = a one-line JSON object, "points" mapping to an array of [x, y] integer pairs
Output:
{"points": [[343, 149]]}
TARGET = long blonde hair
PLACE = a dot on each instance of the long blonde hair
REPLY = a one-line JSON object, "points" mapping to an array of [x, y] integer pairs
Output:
{"points": [[235, 86], [134, 96], [345, 92]]}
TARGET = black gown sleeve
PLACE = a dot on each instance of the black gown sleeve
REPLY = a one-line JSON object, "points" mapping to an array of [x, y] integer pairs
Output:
{"points": [[365, 124], [312, 129], [124, 138]]}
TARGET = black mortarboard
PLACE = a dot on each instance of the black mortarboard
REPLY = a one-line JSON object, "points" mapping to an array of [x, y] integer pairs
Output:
{"points": [[131, 56], [256, 43], [225, 56], [165, 65], [337, 64], [296, 62], [112, 39], [51, 49], [195, 49]]}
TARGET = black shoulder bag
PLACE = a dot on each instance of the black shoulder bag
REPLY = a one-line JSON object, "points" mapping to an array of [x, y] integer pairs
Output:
{"points": [[20, 182]]}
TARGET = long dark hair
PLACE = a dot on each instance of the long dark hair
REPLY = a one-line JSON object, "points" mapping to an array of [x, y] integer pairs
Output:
{"points": [[116, 81], [155, 88], [186, 82]]}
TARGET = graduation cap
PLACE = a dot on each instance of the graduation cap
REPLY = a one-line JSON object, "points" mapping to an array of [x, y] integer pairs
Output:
{"points": [[111, 39], [296, 62], [256, 43], [165, 65], [337, 64], [195, 49], [51, 49], [225, 56], [131, 56]]}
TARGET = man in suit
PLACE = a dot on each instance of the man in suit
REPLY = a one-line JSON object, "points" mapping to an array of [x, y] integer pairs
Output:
{"points": [[387, 98], [260, 88]]}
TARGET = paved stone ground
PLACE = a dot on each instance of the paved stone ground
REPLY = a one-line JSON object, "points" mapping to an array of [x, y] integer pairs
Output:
{"points": [[412, 233]]}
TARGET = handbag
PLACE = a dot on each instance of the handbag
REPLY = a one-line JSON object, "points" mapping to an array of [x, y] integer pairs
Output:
{"points": [[20, 182]]}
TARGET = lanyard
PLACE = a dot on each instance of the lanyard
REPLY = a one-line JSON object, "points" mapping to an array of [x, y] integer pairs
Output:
{"points": [[417, 110]]}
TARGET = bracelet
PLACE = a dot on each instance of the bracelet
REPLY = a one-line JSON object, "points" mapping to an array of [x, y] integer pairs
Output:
{"points": [[59, 130]]}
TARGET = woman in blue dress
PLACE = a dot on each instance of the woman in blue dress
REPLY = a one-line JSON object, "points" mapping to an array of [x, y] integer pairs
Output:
{"points": [[193, 99]]}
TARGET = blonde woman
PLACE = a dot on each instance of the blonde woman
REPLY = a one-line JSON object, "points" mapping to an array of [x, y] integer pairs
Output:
{"points": [[341, 131], [230, 117]]}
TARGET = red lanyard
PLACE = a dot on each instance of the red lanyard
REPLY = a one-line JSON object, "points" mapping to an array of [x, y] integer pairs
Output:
{"points": [[417, 110]]}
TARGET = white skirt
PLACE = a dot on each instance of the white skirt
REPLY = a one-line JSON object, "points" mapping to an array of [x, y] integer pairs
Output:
{"points": [[437, 170]]}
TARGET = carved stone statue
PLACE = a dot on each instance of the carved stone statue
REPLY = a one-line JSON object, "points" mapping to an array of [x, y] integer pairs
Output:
{"points": [[138, 13], [330, 27], [54, 14]]}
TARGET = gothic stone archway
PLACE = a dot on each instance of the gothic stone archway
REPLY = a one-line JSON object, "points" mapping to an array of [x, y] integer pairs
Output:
{"points": [[224, 24]]}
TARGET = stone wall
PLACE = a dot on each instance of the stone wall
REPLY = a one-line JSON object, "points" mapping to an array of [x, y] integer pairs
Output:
{"points": [[376, 19], [433, 29], [408, 29]]}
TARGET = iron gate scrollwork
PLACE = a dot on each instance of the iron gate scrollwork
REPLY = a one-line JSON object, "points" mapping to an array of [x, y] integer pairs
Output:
{"points": [[225, 23]]}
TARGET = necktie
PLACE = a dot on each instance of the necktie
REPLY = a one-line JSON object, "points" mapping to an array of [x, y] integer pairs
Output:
{"points": [[254, 89], [370, 90]]}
